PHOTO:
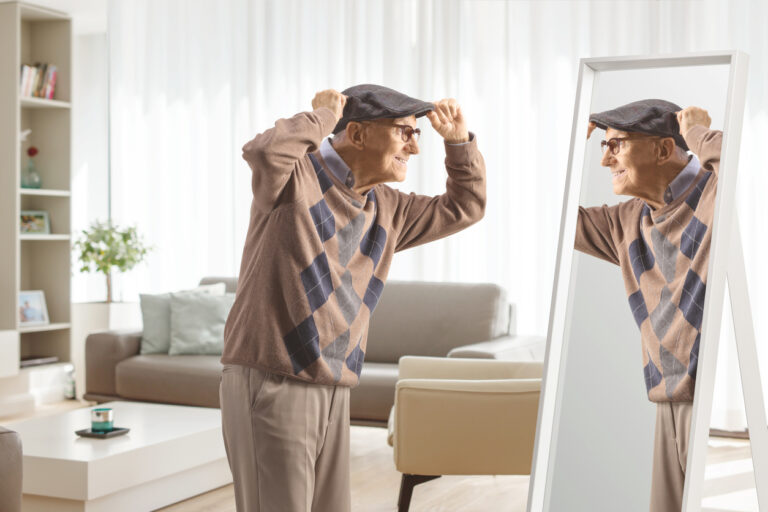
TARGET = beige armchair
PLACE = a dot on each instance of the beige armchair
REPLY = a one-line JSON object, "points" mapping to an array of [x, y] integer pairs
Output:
{"points": [[10, 470], [463, 417]]}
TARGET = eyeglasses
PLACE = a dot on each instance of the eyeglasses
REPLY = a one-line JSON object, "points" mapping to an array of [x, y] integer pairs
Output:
{"points": [[408, 132], [616, 143]]}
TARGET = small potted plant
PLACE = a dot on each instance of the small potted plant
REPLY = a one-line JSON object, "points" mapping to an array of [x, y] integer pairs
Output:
{"points": [[104, 247]]}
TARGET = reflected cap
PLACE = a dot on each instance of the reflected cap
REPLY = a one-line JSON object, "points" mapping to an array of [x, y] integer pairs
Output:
{"points": [[653, 117]]}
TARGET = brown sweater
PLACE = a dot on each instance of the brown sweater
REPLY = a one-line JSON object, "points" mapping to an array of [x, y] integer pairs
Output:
{"points": [[317, 254], [663, 255]]}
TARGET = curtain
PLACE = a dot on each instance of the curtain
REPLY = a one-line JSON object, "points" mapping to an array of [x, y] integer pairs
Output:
{"points": [[193, 80]]}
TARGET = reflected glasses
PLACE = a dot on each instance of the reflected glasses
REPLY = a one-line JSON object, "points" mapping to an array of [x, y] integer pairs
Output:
{"points": [[616, 143], [408, 132]]}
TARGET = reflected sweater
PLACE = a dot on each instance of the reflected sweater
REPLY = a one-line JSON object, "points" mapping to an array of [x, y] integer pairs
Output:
{"points": [[664, 256], [317, 253]]}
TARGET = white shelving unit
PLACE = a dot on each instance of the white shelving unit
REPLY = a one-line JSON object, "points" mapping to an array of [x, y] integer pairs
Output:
{"points": [[31, 34]]}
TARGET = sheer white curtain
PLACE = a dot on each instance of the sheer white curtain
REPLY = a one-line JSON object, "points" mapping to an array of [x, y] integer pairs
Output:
{"points": [[192, 80]]}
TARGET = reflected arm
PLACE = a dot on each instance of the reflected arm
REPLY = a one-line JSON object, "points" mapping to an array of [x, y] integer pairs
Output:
{"points": [[595, 232], [705, 144]]}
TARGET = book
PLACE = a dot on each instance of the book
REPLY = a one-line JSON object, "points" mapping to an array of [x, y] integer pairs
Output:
{"points": [[37, 361], [38, 80]]}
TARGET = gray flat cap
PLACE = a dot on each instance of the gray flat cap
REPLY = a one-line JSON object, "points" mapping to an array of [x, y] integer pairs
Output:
{"points": [[368, 101], [654, 117]]}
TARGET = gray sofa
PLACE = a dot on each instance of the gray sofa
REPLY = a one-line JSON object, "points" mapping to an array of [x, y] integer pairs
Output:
{"points": [[412, 318], [10, 471]]}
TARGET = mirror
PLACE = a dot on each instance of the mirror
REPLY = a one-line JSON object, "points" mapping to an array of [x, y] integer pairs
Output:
{"points": [[595, 437]]}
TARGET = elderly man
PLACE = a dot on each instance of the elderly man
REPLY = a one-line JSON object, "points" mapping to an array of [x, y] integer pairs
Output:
{"points": [[661, 241], [322, 234]]}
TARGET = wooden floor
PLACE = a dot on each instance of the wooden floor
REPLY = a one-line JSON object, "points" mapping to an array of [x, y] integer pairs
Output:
{"points": [[729, 481]]}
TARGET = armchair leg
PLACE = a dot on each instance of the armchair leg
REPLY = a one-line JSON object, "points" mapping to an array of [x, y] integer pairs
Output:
{"points": [[406, 489]]}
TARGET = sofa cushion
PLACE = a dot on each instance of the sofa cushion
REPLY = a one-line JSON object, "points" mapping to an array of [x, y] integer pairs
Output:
{"points": [[375, 396], [429, 319], [197, 323], [184, 380], [156, 317]]}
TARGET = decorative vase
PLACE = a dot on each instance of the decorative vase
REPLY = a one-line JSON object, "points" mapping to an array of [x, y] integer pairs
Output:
{"points": [[30, 178]]}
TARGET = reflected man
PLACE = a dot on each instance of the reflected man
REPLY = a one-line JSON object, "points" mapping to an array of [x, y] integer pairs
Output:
{"points": [[667, 159]]}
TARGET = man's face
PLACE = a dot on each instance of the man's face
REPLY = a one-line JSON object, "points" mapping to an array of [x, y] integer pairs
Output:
{"points": [[634, 168], [386, 154]]}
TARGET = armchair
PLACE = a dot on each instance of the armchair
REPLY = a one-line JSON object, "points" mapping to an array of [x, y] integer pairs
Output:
{"points": [[10, 470], [463, 417]]}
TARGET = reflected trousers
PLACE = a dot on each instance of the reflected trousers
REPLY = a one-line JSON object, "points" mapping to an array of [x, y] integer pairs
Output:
{"points": [[670, 454], [287, 442]]}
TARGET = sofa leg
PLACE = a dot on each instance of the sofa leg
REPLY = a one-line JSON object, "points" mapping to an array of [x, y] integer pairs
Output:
{"points": [[406, 489]]}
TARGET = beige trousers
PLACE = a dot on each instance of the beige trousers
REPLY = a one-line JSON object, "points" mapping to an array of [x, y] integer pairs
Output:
{"points": [[670, 453], [287, 442]]}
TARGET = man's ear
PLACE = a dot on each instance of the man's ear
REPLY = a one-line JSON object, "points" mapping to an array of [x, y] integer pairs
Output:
{"points": [[665, 149], [356, 134]]}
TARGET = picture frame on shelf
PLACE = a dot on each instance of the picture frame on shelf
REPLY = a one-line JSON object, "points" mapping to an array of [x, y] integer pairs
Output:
{"points": [[32, 308], [34, 222]]}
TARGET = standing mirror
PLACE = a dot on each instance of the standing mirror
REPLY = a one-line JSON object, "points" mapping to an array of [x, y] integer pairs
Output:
{"points": [[595, 437]]}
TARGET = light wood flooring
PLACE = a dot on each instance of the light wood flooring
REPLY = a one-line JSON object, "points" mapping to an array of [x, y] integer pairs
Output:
{"points": [[729, 481]]}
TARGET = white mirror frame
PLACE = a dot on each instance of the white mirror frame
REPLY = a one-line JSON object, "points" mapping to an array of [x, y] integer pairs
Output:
{"points": [[549, 411]]}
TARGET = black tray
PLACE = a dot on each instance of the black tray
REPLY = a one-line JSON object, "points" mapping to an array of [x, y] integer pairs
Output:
{"points": [[117, 431]]}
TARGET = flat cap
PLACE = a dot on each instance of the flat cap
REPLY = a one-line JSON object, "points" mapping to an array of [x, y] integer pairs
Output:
{"points": [[369, 101], [653, 117]]}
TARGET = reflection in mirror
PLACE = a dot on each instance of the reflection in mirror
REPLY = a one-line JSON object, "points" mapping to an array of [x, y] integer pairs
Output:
{"points": [[637, 287]]}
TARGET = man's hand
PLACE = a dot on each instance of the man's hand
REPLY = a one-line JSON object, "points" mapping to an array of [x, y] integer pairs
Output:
{"points": [[591, 128], [448, 121], [332, 100], [692, 116]]}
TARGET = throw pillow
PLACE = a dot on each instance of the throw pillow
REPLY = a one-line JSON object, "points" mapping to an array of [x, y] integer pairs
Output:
{"points": [[156, 316], [197, 323]]}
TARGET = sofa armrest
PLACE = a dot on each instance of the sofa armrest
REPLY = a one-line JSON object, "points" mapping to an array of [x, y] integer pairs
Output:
{"points": [[103, 352], [455, 369], [10, 470], [511, 348], [444, 427]]}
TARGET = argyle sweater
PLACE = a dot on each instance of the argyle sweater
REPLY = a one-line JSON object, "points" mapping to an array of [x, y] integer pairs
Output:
{"points": [[663, 255], [317, 254]]}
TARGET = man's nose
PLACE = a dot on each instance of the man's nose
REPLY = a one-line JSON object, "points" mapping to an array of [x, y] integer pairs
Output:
{"points": [[413, 146], [607, 159]]}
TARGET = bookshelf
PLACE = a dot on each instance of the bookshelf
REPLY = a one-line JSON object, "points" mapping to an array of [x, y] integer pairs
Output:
{"points": [[31, 34]]}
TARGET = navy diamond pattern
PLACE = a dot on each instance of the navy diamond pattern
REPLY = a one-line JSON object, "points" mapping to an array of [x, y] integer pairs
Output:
{"points": [[692, 237], [638, 307], [695, 195], [323, 219], [692, 299], [316, 279], [652, 375], [355, 359], [373, 293], [373, 243], [302, 344], [325, 181], [641, 257]]}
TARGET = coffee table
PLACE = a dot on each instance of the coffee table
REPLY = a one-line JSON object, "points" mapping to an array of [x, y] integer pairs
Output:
{"points": [[171, 453]]}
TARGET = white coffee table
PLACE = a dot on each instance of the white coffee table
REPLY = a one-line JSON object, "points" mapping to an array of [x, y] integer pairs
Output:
{"points": [[171, 453]]}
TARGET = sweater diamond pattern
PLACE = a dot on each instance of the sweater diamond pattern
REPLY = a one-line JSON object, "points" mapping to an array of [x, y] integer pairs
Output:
{"points": [[372, 244], [664, 314], [641, 257], [666, 254], [638, 307], [323, 219], [355, 360], [673, 370], [695, 196], [334, 353], [652, 374], [316, 279], [693, 236], [692, 299], [694, 358], [322, 177], [373, 293], [349, 238], [302, 344]]}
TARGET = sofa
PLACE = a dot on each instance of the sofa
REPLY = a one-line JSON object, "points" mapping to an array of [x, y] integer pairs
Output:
{"points": [[412, 318], [10, 471]]}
